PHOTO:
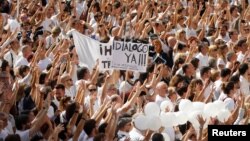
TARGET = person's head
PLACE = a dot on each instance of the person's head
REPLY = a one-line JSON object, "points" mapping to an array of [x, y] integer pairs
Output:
{"points": [[30, 114], [223, 30], [26, 50], [66, 80], [202, 48], [83, 73], [188, 69], [100, 137], [236, 80], [228, 88], [56, 31], [195, 62], [158, 46], [231, 56], [98, 17], [171, 41], [243, 69], [205, 72], [22, 122], [196, 85], [124, 124], [162, 89], [234, 11], [157, 137], [23, 70], [43, 78], [225, 73], [4, 119], [212, 51], [215, 75], [93, 91], [233, 34], [13, 137], [242, 45], [59, 91], [5, 67], [111, 89], [15, 44], [172, 95], [176, 81], [90, 127]]}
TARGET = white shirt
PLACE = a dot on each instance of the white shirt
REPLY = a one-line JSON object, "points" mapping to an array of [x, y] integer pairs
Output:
{"points": [[21, 61], [159, 99], [244, 86], [48, 24], [24, 135], [42, 64], [71, 92], [11, 57], [122, 135], [81, 7], [217, 92], [84, 137], [230, 104], [135, 135], [203, 60], [240, 57], [3, 135]]}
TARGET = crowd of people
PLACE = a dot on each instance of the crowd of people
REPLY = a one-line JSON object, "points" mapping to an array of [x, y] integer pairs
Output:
{"points": [[199, 50]]}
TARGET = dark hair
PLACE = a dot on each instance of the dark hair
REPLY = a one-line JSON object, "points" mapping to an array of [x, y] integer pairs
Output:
{"points": [[243, 68], [36, 138], [182, 90], [195, 62], [241, 42], [70, 110], [22, 69], [157, 137], [21, 120], [102, 127], [235, 78], [42, 78], [225, 72], [13, 137], [99, 137], [185, 67], [227, 87], [89, 126], [5, 64], [60, 86], [204, 70], [81, 72]]}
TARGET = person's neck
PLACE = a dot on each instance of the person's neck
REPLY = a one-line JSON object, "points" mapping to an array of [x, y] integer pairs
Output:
{"points": [[162, 95]]}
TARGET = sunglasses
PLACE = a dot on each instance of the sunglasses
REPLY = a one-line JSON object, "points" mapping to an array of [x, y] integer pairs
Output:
{"points": [[92, 90]]}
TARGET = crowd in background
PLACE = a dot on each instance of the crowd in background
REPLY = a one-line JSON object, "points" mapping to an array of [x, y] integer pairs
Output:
{"points": [[199, 51]]}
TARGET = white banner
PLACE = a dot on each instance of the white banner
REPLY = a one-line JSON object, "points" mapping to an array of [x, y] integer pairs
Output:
{"points": [[90, 50], [130, 56]]}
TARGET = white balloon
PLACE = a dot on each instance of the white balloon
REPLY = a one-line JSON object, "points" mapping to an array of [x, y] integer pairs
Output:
{"points": [[166, 136], [210, 110], [185, 105], [166, 104], [140, 121], [154, 123], [223, 115], [219, 104], [198, 106], [152, 109], [181, 118], [168, 119]]}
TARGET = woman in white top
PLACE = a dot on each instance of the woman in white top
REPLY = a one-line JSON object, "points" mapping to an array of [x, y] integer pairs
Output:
{"points": [[229, 90]]}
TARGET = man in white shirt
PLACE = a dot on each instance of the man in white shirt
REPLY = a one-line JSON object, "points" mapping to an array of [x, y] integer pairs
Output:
{"points": [[161, 90], [124, 127], [26, 51], [244, 72], [203, 55], [12, 55], [89, 131]]}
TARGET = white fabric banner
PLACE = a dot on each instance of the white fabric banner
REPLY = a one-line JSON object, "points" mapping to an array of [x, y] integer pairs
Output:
{"points": [[90, 50], [130, 56]]}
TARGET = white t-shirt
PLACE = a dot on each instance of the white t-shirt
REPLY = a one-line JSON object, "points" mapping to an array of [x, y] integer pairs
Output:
{"points": [[230, 104], [24, 135], [203, 60], [11, 57], [159, 99], [21, 61], [135, 135], [3, 135], [42, 64]]}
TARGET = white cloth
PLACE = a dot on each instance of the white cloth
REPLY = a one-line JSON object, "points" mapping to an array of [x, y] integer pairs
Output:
{"points": [[203, 60], [3, 135], [230, 104], [244, 86], [135, 135], [42, 64], [11, 57], [24, 135], [217, 92], [21, 61], [71, 92], [84, 137], [159, 99], [122, 135]]}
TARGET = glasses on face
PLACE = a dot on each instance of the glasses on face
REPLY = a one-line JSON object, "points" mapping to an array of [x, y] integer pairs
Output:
{"points": [[69, 79], [92, 90]]}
